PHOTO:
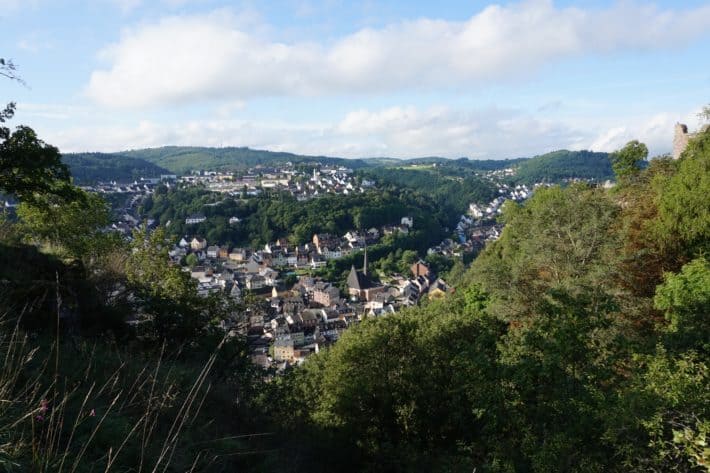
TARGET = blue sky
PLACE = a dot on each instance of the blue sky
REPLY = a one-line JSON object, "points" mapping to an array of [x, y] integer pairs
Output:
{"points": [[358, 78]]}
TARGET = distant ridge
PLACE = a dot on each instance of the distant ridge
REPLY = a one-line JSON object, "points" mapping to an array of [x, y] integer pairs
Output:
{"points": [[151, 162], [183, 159], [89, 168]]}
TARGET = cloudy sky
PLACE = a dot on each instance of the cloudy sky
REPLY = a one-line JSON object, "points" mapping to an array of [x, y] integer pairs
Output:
{"points": [[358, 78]]}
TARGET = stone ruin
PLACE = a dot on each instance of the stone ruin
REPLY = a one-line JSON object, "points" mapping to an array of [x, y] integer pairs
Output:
{"points": [[681, 138]]}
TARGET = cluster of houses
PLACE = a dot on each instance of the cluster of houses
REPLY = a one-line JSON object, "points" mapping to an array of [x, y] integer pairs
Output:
{"points": [[314, 313], [133, 193], [302, 314], [324, 180], [479, 225], [281, 254], [138, 188], [493, 208]]}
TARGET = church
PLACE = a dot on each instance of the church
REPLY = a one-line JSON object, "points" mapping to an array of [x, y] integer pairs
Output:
{"points": [[360, 286]]}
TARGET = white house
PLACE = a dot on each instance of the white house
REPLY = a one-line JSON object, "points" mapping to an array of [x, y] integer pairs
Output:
{"points": [[195, 218], [331, 253]]}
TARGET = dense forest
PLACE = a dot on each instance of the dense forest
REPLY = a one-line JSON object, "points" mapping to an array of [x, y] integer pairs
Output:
{"points": [[578, 341], [89, 168], [275, 215], [561, 165], [451, 187]]}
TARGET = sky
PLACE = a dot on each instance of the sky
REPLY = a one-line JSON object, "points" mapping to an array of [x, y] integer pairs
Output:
{"points": [[358, 78]]}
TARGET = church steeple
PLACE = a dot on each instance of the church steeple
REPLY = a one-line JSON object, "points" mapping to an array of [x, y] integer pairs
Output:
{"points": [[364, 263]]}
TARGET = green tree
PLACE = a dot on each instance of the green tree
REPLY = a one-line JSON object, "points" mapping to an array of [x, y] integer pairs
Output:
{"points": [[665, 403], [685, 300], [562, 238], [387, 414], [683, 222], [406, 260], [645, 254], [559, 367], [456, 274], [191, 260], [627, 161], [9, 71], [76, 226], [6, 114], [165, 293], [30, 168]]}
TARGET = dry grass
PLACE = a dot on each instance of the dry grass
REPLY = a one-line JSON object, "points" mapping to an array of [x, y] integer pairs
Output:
{"points": [[70, 409]]}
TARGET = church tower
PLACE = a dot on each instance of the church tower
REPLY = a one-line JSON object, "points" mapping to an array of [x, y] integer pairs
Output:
{"points": [[364, 263]]}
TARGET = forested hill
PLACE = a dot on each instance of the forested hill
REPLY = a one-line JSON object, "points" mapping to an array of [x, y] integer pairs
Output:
{"points": [[181, 159], [88, 168], [560, 165], [125, 165]]}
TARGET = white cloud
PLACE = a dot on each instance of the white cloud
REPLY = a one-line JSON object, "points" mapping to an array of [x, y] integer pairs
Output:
{"points": [[30, 111], [655, 131], [395, 132], [403, 131], [226, 109], [216, 56]]}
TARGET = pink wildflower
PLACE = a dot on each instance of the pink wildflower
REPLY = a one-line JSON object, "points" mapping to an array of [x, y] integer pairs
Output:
{"points": [[92, 413]]}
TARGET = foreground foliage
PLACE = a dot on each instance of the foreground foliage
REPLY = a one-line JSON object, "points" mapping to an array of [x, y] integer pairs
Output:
{"points": [[547, 358], [576, 342]]}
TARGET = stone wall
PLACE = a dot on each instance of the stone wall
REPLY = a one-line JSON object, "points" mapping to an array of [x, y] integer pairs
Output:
{"points": [[680, 139]]}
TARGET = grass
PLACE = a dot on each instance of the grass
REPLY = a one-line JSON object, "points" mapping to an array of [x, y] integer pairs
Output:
{"points": [[73, 406], [81, 397]]}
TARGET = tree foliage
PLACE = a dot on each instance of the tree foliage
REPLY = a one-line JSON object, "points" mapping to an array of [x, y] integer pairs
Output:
{"points": [[389, 416], [705, 113], [31, 169], [684, 209], [450, 188], [627, 162], [563, 165], [547, 358], [276, 215], [89, 168], [685, 300], [561, 238], [77, 226]]}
